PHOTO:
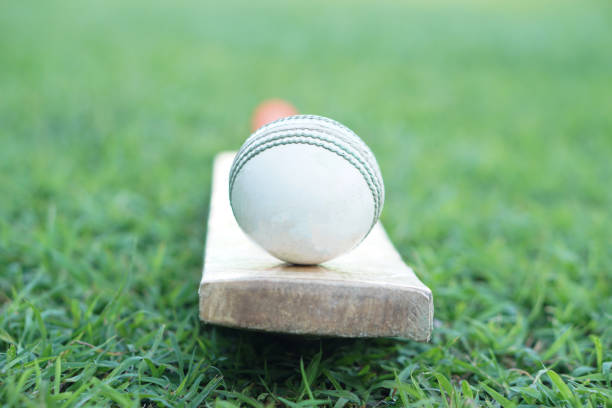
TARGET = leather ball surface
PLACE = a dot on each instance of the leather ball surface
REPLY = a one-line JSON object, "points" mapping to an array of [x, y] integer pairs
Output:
{"points": [[306, 189]]}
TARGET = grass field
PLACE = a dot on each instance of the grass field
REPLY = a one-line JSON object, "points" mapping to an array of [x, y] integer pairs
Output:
{"points": [[493, 127]]}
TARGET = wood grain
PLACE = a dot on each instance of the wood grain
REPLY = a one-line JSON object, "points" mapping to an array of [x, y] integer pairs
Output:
{"points": [[369, 292]]}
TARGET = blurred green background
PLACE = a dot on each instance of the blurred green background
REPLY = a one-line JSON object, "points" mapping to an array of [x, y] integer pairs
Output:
{"points": [[492, 124]]}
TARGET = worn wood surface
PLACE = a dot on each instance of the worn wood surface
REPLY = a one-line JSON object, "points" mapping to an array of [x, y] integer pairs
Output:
{"points": [[369, 292]]}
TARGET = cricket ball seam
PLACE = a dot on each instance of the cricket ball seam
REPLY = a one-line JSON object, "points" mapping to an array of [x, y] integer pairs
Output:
{"points": [[306, 140], [352, 140], [239, 162], [305, 117], [348, 138], [268, 138], [352, 137]]}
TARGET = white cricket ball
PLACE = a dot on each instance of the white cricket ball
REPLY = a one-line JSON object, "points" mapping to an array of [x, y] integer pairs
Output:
{"points": [[306, 189]]}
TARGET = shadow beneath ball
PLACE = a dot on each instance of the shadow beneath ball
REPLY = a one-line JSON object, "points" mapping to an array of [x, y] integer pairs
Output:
{"points": [[289, 267]]}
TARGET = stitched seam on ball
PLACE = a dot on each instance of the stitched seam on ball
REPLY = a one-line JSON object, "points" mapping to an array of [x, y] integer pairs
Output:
{"points": [[255, 151], [247, 155], [334, 123], [356, 141], [271, 138], [315, 117], [289, 118], [298, 132], [351, 139], [339, 152], [360, 144]]}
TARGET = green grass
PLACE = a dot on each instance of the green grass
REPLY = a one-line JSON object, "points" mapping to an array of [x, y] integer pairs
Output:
{"points": [[493, 126]]}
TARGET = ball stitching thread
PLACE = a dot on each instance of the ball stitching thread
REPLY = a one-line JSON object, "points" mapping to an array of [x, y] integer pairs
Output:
{"points": [[245, 155], [305, 140]]}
